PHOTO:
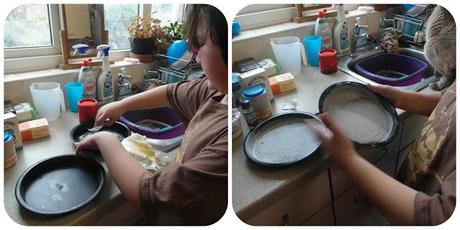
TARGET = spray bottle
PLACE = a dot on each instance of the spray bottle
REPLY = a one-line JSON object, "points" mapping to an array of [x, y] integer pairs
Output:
{"points": [[341, 41], [104, 80], [87, 78]]}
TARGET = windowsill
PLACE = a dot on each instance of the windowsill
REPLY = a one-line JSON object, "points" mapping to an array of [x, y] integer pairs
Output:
{"points": [[54, 72], [283, 27]]}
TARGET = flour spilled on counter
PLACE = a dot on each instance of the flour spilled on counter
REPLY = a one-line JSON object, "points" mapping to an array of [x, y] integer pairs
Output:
{"points": [[362, 120]]}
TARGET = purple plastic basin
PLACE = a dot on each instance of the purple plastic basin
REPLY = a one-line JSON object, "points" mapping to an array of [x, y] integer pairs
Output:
{"points": [[392, 69], [165, 115]]}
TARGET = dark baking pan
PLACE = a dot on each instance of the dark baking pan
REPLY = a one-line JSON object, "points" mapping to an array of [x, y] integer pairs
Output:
{"points": [[365, 117], [282, 140], [80, 131], [60, 185]]}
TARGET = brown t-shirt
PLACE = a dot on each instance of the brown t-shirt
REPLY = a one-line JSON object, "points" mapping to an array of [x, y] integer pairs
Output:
{"points": [[196, 186], [430, 165]]}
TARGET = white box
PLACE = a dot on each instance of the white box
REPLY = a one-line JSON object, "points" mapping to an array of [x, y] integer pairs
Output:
{"points": [[254, 77]]}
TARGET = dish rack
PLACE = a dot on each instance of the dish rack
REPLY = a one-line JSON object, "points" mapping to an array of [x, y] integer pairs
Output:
{"points": [[169, 74], [408, 26]]}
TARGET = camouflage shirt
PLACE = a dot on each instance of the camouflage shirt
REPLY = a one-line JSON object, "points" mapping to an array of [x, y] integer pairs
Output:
{"points": [[430, 165]]}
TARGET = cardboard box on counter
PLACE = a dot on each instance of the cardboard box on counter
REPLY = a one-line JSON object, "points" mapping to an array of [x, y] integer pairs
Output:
{"points": [[10, 121], [34, 129], [282, 83]]}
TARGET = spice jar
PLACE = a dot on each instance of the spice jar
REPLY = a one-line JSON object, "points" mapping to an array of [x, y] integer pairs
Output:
{"points": [[248, 112], [328, 61], [259, 100], [236, 90]]}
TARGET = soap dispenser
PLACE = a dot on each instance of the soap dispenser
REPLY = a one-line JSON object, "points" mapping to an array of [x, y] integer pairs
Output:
{"points": [[341, 40], [104, 80]]}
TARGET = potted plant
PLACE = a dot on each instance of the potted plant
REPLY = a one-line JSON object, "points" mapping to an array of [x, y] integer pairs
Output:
{"points": [[144, 33]]}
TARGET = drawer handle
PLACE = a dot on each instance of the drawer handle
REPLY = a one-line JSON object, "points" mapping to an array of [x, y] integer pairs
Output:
{"points": [[285, 220]]}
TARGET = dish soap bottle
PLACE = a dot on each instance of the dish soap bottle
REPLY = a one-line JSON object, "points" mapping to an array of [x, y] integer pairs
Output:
{"points": [[341, 41], [87, 78], [322, 29], [104, 80]]}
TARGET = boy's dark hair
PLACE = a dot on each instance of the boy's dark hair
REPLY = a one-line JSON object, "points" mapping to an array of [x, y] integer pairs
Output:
{"points": [[215, 23]]}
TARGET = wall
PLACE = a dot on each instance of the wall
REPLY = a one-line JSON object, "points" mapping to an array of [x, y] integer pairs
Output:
{"points": [[259, 47]]}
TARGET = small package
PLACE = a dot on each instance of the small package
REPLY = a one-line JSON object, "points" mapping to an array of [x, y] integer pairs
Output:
{"points": [[34, 129], [270, 67], [245, 65], [10, 122], [282, 83], [25, 112]]}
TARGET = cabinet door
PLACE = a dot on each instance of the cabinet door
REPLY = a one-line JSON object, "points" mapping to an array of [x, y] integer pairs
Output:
{"points": [[297, 206], [412, 127], [402, 156], [324, 217], [353, 208]]}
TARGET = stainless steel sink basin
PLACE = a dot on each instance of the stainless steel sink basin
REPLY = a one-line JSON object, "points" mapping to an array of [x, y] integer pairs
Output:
{"points": [[347, 64]]}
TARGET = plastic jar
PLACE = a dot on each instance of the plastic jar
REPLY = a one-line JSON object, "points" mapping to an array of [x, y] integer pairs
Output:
{"points": [[87, 110], [237, 129], [259, 101], [10, 152], [328, 61], [248, 112], [236, 90]]}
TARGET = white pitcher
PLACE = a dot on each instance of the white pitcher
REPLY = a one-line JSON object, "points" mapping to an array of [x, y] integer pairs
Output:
{"points": [[289, 53], [48, 99]]}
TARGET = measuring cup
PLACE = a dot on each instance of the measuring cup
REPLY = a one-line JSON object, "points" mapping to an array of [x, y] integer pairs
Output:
{"points": [[289, 53], [48, 99]]}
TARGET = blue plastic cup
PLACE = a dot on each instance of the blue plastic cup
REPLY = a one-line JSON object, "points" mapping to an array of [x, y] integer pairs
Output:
{"points": [[74, 92], [312, 45]]}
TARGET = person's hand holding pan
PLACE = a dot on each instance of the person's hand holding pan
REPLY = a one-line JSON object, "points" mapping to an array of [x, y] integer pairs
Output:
{"points": [[391, 93]]}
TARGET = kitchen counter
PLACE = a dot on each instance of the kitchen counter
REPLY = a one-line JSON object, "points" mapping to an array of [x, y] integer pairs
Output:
{"points": [[255, 187], [108, 208]]}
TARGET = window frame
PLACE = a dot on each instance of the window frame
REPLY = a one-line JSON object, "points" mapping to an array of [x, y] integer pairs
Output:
{"points": [[17, 60], [54, 49]]}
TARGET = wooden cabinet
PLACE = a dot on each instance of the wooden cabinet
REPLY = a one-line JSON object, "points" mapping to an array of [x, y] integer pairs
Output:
{"points": [[298, 206], [353, 208], [412, 127], [324, 217]]}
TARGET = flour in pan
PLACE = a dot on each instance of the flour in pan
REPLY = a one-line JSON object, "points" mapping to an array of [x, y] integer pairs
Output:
{"points": [[362, 120]]}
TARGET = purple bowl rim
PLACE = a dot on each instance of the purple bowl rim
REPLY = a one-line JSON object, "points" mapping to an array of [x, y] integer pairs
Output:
{"points": [[379, 77], [132, 125]]}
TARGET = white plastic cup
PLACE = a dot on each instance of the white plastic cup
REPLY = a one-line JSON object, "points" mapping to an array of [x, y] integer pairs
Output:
{"points": [[48, 99], [289, 53]]}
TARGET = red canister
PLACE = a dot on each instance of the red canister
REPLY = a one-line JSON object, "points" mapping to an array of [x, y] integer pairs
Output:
{"points": [[328, 61], [87, 110]]}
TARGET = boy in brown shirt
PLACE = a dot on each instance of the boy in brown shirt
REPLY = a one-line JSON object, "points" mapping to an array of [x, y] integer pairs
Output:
{"points": [[196, 187]]}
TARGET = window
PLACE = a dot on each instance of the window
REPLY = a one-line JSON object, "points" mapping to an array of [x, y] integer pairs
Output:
{"points": [[31, 20], [167, 12], [32, 30], [116, 19]]}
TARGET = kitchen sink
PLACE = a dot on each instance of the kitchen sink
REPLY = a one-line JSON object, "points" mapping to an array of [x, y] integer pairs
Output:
{"points": [[416, 83]]}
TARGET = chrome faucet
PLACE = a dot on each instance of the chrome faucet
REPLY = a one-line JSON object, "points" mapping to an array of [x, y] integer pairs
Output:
{"points": [[123, 86], [355, 36]]}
